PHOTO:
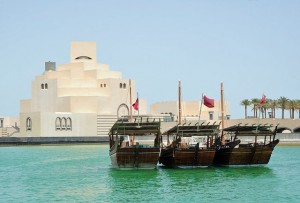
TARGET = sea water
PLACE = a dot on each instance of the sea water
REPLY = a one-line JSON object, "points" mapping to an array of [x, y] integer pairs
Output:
{"points": [[82, 173]]}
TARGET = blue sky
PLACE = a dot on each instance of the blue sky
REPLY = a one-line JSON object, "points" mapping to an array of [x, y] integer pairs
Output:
{"points": [[253, 46]]}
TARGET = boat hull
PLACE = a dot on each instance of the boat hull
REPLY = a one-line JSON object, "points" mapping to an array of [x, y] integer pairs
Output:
{"points": [[183, 158], [245, 155], [131, 157]]}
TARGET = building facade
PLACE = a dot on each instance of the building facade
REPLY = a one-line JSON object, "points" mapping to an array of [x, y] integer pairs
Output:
{"points": [[82, 98], [9, 126], [191, 110]]}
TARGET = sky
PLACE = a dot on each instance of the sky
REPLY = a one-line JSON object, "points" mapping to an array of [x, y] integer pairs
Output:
{"points": [[253, 46]]}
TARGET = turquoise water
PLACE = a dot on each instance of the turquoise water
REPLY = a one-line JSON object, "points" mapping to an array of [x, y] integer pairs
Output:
{"points": [[82, 173]]}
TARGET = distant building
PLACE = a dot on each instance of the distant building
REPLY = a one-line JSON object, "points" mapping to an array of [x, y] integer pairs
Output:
{"points": [[9, 126], [191, 110], [82, 98]]}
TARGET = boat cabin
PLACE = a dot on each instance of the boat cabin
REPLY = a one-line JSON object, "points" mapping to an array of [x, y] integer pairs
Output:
{"points": [[250, 135], [189, 135], [135, 144]]}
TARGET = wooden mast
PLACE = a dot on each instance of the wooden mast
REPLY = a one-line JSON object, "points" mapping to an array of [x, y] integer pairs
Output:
{"points": [[130, 102], [223, 137], [179, 102], [131, 137], [222, 104]]}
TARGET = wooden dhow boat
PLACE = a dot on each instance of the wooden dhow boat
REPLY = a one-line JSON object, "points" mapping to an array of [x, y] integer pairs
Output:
{"points": [[246, 145], [135, 144], [193, 146]]}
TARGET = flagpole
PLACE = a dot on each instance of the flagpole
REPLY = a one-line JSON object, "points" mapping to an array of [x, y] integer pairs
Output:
{"points": [[131, 137], [200, 110], [138, 106], [179, 102], [223, 136], [260, 109], [222, 104], [258, 117], [130, 101]]}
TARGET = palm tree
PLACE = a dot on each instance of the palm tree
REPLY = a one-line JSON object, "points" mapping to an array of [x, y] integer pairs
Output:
{"points": [[282, 102], [298, 106], [246, 103], [292, 106], [264, 107], [255, 103], [273, 106]]}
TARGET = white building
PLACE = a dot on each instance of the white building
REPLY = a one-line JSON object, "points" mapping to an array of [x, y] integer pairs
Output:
{"points": [[82, 98], [191, 110], [9, 126]]}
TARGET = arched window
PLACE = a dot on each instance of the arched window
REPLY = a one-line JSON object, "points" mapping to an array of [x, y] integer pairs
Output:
{"points": [[63, 123], [28, 124], [121, 85], [83, 57], [69, 123], [58, 123], [122, 111], [46, 86], [42, 86], [104, 85], [124, 85], [100, 85]]}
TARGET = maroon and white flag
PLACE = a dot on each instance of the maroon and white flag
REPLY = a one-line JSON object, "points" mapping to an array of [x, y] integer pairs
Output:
{"points": [[136, 104], [210, 103], [263, 99]]}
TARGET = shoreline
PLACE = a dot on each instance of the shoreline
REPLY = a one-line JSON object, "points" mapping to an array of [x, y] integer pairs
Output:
{"points": [[43, 141], [289, 144], [51, 140]]}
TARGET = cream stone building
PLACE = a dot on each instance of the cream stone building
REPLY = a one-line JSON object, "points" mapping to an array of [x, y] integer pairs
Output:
{"points": [[191, 110], [9, 126], [82, 98]]}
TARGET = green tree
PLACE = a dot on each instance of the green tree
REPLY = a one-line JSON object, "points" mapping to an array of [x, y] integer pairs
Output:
{"points": [[282, 103], [298, 106], [292, 107], [264, 107], [273, 106], [255, 103], [246, 103]]}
